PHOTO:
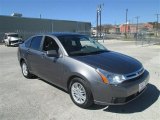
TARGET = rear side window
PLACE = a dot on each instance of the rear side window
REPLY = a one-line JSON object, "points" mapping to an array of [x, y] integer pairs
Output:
{"points": [[36, 43]]}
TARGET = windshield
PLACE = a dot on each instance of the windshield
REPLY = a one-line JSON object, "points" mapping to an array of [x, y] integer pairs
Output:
{"points": [[77, 45], [13, 35]]}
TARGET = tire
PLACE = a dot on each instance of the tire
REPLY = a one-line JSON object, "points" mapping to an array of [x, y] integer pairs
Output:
{"points": [[5, 44], [25, 70], [9, 43], [80, 95]]}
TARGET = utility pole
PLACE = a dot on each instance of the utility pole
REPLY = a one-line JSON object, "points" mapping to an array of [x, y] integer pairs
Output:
{"points": [[157, 23], [126, 23], [52, 25], [101, 5], [100, 11], [97, 20], [129, 28], [137, 27]]}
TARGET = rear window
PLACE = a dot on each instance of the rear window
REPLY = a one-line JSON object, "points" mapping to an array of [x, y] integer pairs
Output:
{"points": [[36, 43]]}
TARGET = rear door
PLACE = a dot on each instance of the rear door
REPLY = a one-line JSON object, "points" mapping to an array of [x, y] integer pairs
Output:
{"points": [[34, 54]]}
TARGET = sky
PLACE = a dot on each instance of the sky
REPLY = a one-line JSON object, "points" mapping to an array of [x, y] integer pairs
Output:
{"points": [[113, 11]]}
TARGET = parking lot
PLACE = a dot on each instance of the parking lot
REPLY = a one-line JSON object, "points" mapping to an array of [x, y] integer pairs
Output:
{"points": [[34, 99]]}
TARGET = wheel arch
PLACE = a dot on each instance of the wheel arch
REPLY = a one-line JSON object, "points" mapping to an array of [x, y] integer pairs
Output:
{"points": [[77, 76], [21, 60]]}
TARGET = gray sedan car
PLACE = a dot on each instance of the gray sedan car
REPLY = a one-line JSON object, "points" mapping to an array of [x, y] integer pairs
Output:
{"points": [[83, 67]]}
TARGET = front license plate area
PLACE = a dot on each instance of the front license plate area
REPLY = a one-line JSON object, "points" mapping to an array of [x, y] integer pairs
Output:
{"points": [[142, 86]]}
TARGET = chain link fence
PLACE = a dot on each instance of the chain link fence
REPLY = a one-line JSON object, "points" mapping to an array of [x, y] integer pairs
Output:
{"points": [[147, 40], [140, 38]]}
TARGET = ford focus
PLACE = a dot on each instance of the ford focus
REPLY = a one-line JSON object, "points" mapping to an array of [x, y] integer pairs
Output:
{"points": [[82, 66]]}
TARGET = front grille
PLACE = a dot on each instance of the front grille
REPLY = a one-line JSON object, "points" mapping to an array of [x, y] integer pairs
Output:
{"points": [[132, 75], [134, 79], [16, 41], [135, 74]]}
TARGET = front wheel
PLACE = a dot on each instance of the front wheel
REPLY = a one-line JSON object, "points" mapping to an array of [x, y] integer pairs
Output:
{"points": [[80, 93], [5, 44]]}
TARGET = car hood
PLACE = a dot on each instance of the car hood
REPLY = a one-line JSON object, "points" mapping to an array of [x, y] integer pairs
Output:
{"points": [[112, 62], [13, 38]]}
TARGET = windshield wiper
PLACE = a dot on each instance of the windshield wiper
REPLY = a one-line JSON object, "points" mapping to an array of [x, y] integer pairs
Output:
{"points": [[98, 52], [79, 54], [88, 53]]}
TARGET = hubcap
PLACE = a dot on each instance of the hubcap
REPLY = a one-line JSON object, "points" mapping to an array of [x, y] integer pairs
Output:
{"points": [[24, 69], [78, 93]]}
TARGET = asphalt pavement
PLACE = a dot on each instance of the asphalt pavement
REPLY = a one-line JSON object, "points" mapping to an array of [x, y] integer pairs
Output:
{"points": [[35, 99]]}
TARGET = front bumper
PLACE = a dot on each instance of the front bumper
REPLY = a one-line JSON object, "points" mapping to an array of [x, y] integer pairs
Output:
{"points": [[120, 94], [15, 43]]}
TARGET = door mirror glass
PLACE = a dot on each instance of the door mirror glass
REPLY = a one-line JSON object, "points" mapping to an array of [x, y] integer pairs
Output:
{"points": [[52, 53]]}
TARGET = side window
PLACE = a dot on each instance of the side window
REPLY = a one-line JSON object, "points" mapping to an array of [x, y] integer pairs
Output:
{"points": [[5, 36], [36, 42], [28, 42], [50, 44], [74, 43]]}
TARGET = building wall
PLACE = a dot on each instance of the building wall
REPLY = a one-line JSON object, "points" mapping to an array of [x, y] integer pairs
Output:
{"points": [[131, 28], [30, 26], [124, 28]]}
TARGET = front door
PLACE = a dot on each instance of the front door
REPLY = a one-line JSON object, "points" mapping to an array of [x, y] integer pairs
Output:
{"points": [[51, 67]]}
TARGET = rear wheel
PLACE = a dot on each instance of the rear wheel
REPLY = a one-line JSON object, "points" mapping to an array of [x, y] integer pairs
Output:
{"points": [[25, 70], [80, 93]]}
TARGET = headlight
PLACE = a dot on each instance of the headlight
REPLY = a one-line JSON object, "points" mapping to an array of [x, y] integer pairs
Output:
{"points": [[110, 78]]}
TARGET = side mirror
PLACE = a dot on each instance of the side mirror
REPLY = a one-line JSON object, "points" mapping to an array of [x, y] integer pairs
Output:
{"points": [[52, 53], [21, 41]]}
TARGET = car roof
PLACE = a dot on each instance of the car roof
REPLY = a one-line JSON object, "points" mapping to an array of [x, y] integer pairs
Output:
{"points": [[11, 33], [57, 34]]}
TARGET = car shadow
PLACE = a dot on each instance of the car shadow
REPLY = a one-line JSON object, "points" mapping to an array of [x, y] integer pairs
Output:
{"points": [[97, 107], [143, 102]]}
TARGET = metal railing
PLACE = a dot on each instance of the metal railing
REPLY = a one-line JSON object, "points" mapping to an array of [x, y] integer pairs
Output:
{"points": [[140, 39]]}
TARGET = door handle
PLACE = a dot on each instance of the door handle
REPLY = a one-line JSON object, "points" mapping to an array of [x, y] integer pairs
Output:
{"points": [[28, 52], [42, 56]]}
